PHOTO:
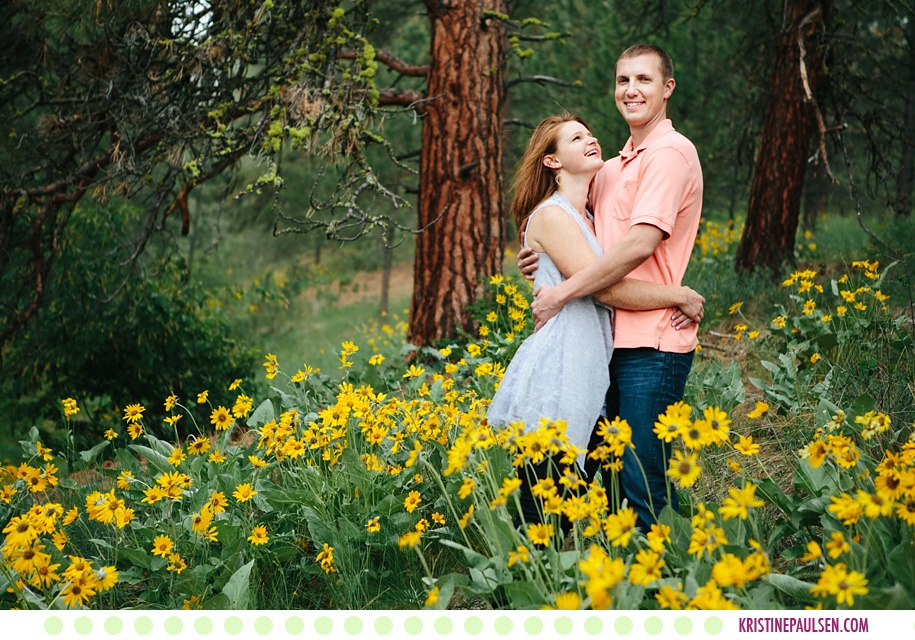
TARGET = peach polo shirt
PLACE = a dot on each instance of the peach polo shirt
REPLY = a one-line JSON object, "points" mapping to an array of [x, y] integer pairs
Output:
{"points": [[658, 183]]}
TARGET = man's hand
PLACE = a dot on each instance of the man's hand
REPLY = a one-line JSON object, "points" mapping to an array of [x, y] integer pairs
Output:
{"points": [[547, 304], [527, 262], [693, 306]]}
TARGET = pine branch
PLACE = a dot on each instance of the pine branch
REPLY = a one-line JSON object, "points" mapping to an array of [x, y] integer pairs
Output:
{"points": [[392, 62], [542, 80]]}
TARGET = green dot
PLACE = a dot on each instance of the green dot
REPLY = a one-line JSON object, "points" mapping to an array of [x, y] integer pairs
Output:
{"points": [[173, 625], [263, 625], [653, 625], [503, 625], [593, 625], [353, 626], [443, 626], [143, 625], [83, 625], [203, 625], [473, 625], [53, 625], [324, 625], [563, 626], [233, 625], [533, 625], [714, 625], [413, 625], [623, 625], [383, 625], [683, 625], [294, 626], [113, 625]]}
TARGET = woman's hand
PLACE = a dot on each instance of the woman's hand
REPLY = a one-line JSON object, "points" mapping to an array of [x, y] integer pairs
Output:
{"points": [[690, 310]]}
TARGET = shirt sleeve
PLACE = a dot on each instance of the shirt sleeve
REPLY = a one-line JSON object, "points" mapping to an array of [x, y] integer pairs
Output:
{"points": [[663, 184]]}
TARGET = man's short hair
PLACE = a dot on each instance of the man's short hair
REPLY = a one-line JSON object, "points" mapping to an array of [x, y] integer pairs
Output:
{"points": [[667, 65]]}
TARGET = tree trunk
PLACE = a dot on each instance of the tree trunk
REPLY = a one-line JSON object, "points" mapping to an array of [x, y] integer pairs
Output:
{"points": [[816, 197], [903, 204], [386, 268], [460, 199], [778, 179]]}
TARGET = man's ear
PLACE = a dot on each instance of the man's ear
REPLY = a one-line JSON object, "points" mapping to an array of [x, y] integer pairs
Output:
{"points": [[669, 87]]}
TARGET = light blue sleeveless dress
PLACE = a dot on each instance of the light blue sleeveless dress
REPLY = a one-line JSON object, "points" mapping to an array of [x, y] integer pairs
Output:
{"points": [[561, 371]]}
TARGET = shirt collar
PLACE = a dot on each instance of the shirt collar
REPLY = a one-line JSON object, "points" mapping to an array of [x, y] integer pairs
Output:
{"points": [[663, 127]]}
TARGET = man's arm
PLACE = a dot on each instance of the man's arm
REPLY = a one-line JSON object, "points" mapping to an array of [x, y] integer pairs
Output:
{"points": [[640, 295], [635, 248], [527, 261], [561, 239], [635, 295]]}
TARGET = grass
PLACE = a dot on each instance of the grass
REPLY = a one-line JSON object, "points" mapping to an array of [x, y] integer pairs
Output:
{"points": [[311, 334]]}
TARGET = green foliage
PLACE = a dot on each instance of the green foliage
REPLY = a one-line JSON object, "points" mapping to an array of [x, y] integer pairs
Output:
{"points": [[108, 347], [838, 341]]}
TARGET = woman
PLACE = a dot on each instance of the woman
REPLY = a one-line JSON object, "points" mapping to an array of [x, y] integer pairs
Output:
{"points": [[561, 371]]}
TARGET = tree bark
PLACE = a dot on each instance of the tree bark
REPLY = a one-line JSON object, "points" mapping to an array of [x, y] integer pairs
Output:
{"points": [[387, 267], [460, 199], [778, 179]]}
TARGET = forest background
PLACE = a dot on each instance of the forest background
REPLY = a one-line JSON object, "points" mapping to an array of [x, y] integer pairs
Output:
{"points": [[175, 260]]}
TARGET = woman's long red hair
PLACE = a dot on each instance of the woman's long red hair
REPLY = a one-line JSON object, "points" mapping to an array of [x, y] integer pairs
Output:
{"points": [[533, 181]]}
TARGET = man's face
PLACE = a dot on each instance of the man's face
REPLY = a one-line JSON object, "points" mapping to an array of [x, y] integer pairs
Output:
{"points": [[641, 91]]}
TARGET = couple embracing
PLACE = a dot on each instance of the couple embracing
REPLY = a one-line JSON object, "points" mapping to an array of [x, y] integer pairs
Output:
{"points": [[615, 331]]}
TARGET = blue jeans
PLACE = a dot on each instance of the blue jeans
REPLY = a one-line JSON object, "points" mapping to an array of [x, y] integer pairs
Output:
{"points": [[643, 383]]}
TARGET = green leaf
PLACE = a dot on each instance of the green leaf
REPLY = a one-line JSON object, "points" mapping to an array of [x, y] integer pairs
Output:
{"points": [[263, 414], [901, 565], [90, 455], [484, 581], [523, 595], [130, 575], [810, 511], [446, 585], [161, 446], [218, 602], [155, 459], [136, 557], [896, 598], [797, 589], [782, 530], [630, 596], [237, 589], [230, 536], [818, 480], [473, 558], [34, 599], [827, 341], [319, 530], [772, 493], [862, 405]]}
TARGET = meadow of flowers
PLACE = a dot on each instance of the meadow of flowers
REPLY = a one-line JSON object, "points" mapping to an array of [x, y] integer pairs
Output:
{"points": [[381, 485]]}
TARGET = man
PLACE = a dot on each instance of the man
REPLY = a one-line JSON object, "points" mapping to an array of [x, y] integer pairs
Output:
{"points": [[647, 203]]}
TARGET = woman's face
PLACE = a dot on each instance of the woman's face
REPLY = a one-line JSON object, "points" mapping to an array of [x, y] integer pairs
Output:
{"points": [[577, 151]]}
